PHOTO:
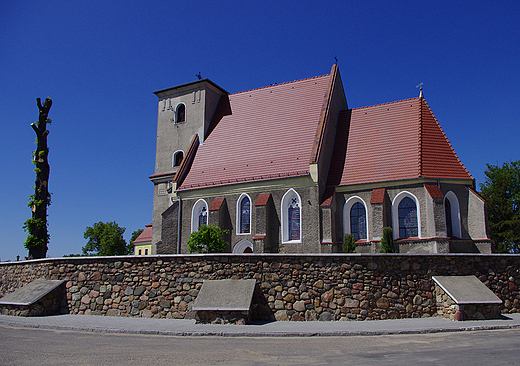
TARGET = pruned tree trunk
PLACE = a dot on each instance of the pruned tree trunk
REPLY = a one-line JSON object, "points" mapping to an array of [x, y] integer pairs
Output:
{"points": [[37, 227]]}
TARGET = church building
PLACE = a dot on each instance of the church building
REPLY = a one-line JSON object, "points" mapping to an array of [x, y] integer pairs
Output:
{"points": [[289, 168]]}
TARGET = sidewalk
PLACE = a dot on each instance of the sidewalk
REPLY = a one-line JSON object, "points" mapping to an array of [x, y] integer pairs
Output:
{"points": [[173, 327]]}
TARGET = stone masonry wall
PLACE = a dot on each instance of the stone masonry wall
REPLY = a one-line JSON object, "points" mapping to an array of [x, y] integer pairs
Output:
{"points": [[295, 287]]}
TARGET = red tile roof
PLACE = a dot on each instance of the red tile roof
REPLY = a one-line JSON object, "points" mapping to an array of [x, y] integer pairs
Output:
{"points": [[262, 199], [146, 235], [392, 141], [269, 134], [434, 190], [378, 195], [216, 204], [328, 195]]}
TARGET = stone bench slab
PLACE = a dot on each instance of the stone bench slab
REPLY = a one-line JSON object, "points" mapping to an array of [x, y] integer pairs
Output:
{"points": [[225, 295], [465, 290], [30, 293]]}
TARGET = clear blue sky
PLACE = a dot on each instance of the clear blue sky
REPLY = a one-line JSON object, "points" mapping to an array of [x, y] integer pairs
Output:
{"points": [[100, 61]]}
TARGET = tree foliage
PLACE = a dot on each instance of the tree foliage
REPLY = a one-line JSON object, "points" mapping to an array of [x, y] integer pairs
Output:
{"points": [[349, 244], [208, 239], [501, 190], [135, 235], [36, 227], [105, 238], [387, 242]]}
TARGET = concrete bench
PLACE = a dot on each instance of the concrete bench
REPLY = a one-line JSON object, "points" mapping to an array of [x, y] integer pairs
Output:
{"points": [[225, 301], [465, 298], [40, 297]]}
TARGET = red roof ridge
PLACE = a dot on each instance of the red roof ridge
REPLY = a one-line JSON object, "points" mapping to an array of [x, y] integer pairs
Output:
{"points": [[377, 105], [420, 145], [477, 194], [284, 83], [324, 115], [423, 101]]}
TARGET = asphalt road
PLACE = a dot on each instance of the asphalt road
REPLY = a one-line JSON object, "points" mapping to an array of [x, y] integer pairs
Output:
{"points": [[24, 346]]}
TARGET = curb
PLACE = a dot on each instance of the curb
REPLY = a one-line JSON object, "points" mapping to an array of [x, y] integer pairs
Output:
{"points": [[253, 333]]}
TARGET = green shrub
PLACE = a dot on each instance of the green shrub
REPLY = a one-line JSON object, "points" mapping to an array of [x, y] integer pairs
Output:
{"points": [[387, 243], [208, 239], [349, 244]]}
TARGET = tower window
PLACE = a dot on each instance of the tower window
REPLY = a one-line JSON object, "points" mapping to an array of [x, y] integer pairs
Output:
{"points": [[177, 158], [180, 113]]}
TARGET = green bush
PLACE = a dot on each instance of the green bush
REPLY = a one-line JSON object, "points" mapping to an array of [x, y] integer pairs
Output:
{"points": [[208, 239], [349, 244], [387, 243]]}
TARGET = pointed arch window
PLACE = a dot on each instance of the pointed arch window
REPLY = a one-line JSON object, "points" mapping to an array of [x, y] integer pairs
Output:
{"points": [[408, 226], [199, 215], [294, 220], [452, 215], [406, 216], [180, 113], [358, 221], [244, 214], [291, 217], [355, 218], [449, 222]]}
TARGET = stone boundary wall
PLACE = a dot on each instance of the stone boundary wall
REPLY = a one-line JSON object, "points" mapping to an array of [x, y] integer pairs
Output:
{"points": [[295, 286]]}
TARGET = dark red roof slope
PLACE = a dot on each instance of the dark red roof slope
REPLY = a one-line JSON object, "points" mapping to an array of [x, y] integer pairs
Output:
{"points": [[392, 141], [268, 134], [145, 236]]}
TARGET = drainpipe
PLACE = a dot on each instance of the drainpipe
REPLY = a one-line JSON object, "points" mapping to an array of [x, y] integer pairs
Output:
{"points": [[179, 226]]}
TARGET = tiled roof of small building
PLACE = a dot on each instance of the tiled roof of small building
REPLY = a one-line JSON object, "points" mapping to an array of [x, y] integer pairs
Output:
{"points": [[392, 141], [146, 235], [269, 133]]}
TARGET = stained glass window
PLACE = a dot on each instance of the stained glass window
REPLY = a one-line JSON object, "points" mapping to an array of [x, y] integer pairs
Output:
{"points": [[294, 220], [358, 218], [203, 217], [408, 218], [245, 215]]}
